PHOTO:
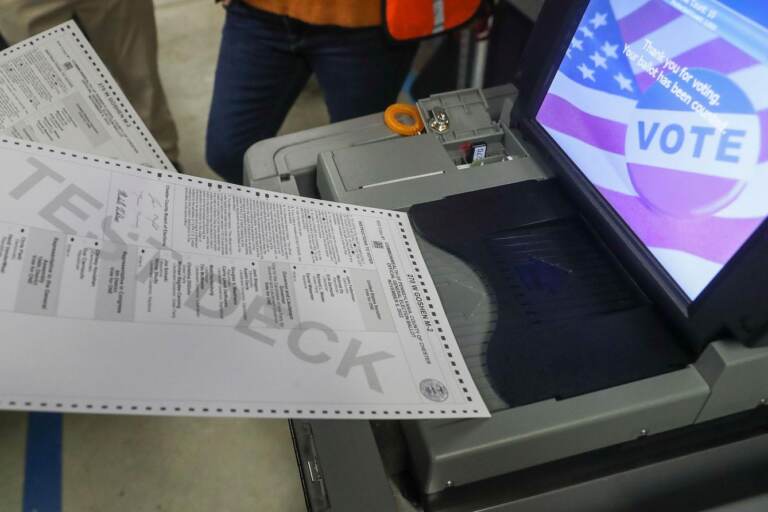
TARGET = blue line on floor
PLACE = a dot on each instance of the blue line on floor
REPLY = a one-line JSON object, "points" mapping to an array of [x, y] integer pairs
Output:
{"points": [[42, 473]]}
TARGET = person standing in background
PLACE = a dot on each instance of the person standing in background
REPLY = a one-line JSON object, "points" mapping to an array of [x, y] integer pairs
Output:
{"points": [[269, 49], [123, 33]]}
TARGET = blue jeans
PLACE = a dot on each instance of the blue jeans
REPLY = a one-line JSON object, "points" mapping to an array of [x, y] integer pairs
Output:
{"points": [[265, 61]]}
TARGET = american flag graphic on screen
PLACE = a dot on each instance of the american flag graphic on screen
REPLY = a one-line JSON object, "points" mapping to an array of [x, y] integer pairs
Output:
{"points": [[668, 118]]}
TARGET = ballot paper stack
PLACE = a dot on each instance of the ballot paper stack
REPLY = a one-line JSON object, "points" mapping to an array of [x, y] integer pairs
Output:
{"points": [[127, 288]]}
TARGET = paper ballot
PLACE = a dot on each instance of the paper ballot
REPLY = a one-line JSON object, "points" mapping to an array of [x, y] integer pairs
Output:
{"points": [[55, 90], [124, 289]]}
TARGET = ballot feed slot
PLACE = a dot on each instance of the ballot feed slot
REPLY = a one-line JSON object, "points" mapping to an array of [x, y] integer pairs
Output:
{"points": [[404, 178]]}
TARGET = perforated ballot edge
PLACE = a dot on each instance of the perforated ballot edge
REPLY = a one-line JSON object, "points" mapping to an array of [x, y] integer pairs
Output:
{"points": [[441, 341]]}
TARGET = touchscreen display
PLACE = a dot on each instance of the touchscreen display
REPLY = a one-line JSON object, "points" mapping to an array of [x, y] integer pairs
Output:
{"points": [[663, 106]]}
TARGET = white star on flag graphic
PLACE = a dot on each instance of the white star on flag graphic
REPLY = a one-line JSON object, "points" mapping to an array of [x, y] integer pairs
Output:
{"points": [[599, 60], [598, 20], [586, 72], [587, 33], [610, 50], [624, 83]]}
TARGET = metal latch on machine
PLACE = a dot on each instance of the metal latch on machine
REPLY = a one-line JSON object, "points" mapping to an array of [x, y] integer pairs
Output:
{"points": [[438, 120]]}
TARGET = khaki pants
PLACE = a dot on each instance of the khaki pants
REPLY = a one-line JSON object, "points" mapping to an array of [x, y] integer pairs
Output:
{"points": [[123, 33]]}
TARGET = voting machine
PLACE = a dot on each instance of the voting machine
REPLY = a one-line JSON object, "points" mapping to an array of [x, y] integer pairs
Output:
{"points": [[598, 238]]}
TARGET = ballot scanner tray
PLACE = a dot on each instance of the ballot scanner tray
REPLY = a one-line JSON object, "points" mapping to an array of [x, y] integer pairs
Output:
{"points": [[565, 318]]}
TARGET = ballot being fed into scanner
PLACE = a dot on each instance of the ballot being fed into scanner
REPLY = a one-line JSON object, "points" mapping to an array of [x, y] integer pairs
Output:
{"points": [[602, 267]]}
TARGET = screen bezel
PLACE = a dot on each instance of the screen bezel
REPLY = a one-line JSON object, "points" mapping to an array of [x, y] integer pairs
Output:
{"points": [[734, 303]]}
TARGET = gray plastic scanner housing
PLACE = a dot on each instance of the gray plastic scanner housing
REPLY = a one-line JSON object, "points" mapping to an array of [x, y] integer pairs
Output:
{"points": [[361, 162]]}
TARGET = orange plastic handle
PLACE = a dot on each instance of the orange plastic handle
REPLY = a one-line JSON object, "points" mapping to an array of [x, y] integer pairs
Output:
{"points": [[391, 119]]}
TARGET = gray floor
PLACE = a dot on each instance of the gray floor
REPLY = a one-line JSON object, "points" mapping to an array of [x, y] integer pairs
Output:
{"points": [[134, 463], [117, 463], [12, 439]]}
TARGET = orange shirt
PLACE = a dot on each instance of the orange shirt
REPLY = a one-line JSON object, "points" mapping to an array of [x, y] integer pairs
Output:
{"points": [[344, 13]]}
